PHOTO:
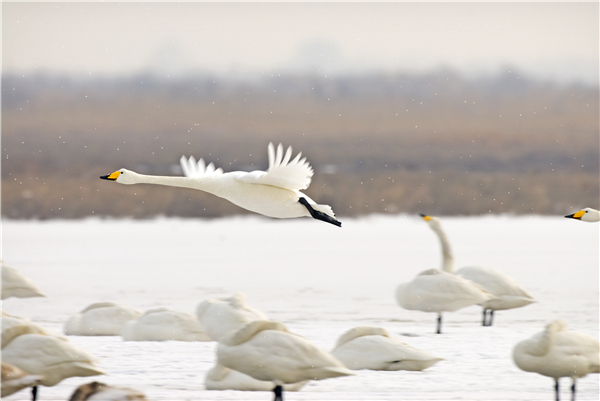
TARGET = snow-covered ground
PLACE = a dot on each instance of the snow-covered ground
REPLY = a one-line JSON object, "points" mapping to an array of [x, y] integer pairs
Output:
{"points": [[320, 281]]}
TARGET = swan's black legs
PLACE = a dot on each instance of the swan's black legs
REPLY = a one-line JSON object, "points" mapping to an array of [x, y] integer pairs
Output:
{"points": [[491, 318], [573, 391], [439, 324], [319, 215], [556, 388], [484, 322], [278, 390], [487, 322], [34, 391]]}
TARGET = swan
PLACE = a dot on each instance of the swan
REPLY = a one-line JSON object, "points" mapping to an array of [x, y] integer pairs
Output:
{"points": [[266, 351], [96, 391], [221, 378], [163, 324], [508, 293], [587, 214], [274, 193], [15, 379], [9, 321], [557, 352], [100, 319], [15, 285], [220, 316], [51, 357], [375, 349]]}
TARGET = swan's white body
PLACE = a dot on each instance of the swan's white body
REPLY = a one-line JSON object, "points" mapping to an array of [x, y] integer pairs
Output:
{"points": [[100, 319], [586, 214], [9, 321], [222, 378], [266, 351], [51, 357], [162, 324], [15, 379], [218, 317], [96, 391], [15, 285], [507, 292], [557, 352], [274, 193], [375, 349]]}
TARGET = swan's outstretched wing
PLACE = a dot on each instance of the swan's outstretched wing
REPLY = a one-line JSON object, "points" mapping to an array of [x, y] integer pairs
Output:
{"points": [[193, 169], [282, 172]]}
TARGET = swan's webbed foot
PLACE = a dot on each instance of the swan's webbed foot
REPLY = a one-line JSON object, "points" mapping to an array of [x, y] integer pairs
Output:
{"points": [[318, 214], [278, 390]]}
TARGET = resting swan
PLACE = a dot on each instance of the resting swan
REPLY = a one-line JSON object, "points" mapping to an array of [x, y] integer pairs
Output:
{"points": [[96, 391], [266, 351], [557, 352], [100, 319], [587, 214], [15, 379], [508, 293], [375, 349], [221, 378], [15, 285], [163, 324], [274, 193]]}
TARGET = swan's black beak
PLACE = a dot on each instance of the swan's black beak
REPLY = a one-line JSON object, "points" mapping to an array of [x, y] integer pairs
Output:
{"points": [[112, 176], [422, 215]]}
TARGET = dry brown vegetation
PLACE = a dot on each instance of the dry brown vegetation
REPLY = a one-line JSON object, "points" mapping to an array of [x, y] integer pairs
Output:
{"points": [[379, 144]]}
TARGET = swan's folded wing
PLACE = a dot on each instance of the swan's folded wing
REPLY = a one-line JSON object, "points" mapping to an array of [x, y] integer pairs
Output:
{"points": [[282, 172], [193, 169]]}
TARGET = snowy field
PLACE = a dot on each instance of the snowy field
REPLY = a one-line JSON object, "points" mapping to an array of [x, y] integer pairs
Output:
{"points": [[320, 281]]}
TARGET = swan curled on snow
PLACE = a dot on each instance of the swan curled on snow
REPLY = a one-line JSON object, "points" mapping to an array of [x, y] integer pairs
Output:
{"points": [[219, 316], [15, 379], [274, 193], [9, 321], [267, 351], [221, 378], [508, 293], [53, 358], [18, 286], [100, 319], [375, 349], [96, 391], [557, 352], [587, 214], [163, 324]]}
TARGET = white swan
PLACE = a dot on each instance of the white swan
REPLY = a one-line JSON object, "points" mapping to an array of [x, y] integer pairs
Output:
{"points": [[508, 293], [15, 379], [587, 214], [274, 193], [100, 319], [96, 391], [221, 378], [557, 352], [374, 348], [15, 285], [163, 324], [266, 351], [51, 357], [220, 316]]}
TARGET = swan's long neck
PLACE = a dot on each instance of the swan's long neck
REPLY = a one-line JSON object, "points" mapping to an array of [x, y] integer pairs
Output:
{"points": [[207, 184], [447, 258]]}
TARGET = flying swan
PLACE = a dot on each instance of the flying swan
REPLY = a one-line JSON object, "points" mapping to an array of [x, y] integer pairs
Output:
{"points": [[508, 293], [274, 193], [587, 214], [557, 352]]}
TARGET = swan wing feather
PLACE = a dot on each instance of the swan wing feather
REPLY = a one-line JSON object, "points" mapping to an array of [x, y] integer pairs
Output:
{"points": [[192, 168]]}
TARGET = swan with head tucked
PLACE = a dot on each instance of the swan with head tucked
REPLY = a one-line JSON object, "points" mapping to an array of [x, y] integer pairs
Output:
{"points": [[274, 193], [18, 286], [15, 379], [557, 352], [53, 358], [267, 351], [508, 293], [163, 324], [100, 319], [221, 378], [586, 214], [219, 316], [96, 391], [375, 349]]}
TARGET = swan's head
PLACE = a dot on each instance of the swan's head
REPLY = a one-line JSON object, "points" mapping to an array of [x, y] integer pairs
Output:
{"points": [[433, 222], [586, 214], [122, 176]]}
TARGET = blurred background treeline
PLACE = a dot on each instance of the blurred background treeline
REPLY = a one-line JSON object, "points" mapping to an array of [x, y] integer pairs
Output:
{"points": [[436, 142]]}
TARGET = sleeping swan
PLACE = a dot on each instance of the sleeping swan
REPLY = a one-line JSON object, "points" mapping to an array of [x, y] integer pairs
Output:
{"points": [[18, 286], [587, 214], [163, 324], [557, 352], [221, 378], [274, 193], [509, 294], [375, 349], [100, 319]]}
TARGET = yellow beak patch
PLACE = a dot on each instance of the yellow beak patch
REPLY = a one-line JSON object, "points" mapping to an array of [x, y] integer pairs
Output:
{"points": [[578, 214], [114, 175], [426, 218]]}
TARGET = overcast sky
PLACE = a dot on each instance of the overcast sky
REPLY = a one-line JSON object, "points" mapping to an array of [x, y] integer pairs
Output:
{"points": [[549, 40]]}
